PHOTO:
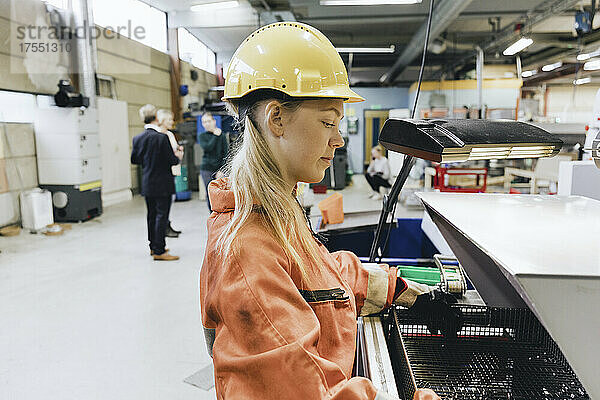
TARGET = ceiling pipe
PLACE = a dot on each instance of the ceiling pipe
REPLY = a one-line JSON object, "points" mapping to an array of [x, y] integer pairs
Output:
{"points": [[444, 14], [533, 17], [265, 5], [480, 81], [85, 49]]}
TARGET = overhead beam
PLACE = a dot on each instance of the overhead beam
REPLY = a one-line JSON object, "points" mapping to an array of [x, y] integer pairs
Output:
{"points": [[242, 16], [444, 13]]}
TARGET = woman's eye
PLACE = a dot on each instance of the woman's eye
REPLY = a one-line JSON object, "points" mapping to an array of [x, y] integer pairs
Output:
{"points": [[328, 125]]}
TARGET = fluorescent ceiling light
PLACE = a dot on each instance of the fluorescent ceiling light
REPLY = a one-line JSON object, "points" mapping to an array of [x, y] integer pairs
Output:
{"points": [[552, 67], [366, 49], [582, 81], [583, 57], [527, 74], [517, 46], [591, 65], [367, 2], [221, 5], [587, 56]]}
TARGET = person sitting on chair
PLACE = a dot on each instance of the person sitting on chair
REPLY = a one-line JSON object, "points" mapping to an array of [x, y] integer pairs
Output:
{"points": [[378, 172]]}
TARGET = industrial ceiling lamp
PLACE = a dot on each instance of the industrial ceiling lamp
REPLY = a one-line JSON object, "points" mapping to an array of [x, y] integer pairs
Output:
{"points": [[552, 67], [367, 2], [215, 5], [591, 65], [582, 81], [527, 74], [465, 140], [518, 46], [587, 56]]}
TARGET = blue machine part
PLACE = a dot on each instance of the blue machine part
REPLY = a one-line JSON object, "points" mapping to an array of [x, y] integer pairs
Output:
{"points": [[583, 22], [183, 196], [182, 191], [406, 241]]}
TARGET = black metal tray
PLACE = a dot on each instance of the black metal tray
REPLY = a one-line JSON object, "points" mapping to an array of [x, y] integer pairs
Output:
{"points": [[500, 353]]}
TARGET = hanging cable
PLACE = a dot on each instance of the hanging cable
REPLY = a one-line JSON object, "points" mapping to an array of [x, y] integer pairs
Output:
{"points": [[389, 201]]}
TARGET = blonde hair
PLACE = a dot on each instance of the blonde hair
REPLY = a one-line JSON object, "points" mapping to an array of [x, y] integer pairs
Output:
{"points": [[255, 178], [147, 113], [162, 115]]}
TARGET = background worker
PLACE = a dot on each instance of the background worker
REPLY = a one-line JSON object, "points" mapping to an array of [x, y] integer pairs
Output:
{"points": [[152, 150], [378, 172], [215, 147], [279, 311], [166, 122]]}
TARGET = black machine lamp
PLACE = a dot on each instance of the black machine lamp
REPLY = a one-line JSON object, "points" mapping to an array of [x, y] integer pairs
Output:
{"points": [[456, 141], [466, 140]]}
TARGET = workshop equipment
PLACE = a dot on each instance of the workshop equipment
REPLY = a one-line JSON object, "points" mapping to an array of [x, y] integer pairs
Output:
{"points": [[182, 192], [192, 152], [530, 327], [443, 179], [465, 140], [500, 353], [69, 161], [452, 276]]}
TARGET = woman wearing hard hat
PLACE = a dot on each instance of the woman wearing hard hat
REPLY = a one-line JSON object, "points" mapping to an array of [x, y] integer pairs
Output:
{"points": [[279, 311]]}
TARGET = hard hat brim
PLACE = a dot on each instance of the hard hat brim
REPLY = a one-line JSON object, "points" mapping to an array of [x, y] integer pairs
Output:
{"points": [[347, 94]]}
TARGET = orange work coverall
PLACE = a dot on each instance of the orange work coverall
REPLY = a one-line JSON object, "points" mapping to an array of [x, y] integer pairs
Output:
{"points": [[269, 342]]}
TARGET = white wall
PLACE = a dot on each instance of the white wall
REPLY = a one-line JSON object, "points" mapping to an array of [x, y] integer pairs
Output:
{"points": [[492, 98], [18, 164], [563, 105], [387, 98]]}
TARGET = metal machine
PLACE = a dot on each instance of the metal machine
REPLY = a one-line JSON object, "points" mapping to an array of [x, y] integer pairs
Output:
{"points": [[592, 139], [69, 161], [531, 330]]}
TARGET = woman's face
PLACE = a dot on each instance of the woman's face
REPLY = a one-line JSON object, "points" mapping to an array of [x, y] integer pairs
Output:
{"points": [[168, 122], [310, 136]]}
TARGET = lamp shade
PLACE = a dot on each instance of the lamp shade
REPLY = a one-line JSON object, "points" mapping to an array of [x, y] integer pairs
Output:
{"points": [[464, 140]]}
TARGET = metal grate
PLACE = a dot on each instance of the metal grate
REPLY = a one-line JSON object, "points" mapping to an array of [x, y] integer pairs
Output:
{"points": [[500, 353]]}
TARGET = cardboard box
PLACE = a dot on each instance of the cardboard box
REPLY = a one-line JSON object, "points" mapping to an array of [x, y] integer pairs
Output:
{"points": [[3, 178]]}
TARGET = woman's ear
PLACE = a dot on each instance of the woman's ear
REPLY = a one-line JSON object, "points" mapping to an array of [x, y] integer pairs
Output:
{"points": [[274, 117]]}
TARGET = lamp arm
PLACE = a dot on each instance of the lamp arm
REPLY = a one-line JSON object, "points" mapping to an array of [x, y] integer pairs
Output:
{"points": [[389, 201]]}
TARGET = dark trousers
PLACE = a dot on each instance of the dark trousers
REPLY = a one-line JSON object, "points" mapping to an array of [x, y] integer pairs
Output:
{"points": [[158, 219], [376, 181], [207, 177]]}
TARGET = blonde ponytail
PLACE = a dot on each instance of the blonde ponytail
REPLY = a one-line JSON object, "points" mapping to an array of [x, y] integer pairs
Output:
{"points": [[256, 179]]}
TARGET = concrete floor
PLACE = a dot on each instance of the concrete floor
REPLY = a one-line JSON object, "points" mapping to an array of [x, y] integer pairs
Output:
{"points": [[90, 315]]}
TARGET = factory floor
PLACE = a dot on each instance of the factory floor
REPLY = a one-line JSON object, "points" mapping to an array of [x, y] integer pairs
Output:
{"points": [[90, 315]]}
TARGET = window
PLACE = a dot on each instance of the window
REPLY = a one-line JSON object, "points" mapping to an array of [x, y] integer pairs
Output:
{"points": [[58, 3], [139, 21], [195, 52]]}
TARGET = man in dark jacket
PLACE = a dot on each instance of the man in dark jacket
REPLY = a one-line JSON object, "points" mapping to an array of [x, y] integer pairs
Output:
{"points": [[215, 147], [153, 151]]}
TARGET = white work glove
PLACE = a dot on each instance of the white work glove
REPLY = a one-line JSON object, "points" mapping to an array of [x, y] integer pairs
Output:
{"points": [[408, 296]]}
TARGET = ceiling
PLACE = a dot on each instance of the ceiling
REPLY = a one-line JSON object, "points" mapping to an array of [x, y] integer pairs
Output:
{"points": [[489, 24]]}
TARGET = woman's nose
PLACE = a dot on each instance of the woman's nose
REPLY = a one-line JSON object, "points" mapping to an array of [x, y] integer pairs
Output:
{"points": [[337, 141]]}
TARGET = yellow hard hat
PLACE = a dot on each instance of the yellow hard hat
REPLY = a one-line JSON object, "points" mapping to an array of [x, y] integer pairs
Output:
{"points": [[291, 57]]}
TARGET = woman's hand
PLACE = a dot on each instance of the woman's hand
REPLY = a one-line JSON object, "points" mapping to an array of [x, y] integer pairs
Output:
{"points": [[179, 152], [426, 394]]}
